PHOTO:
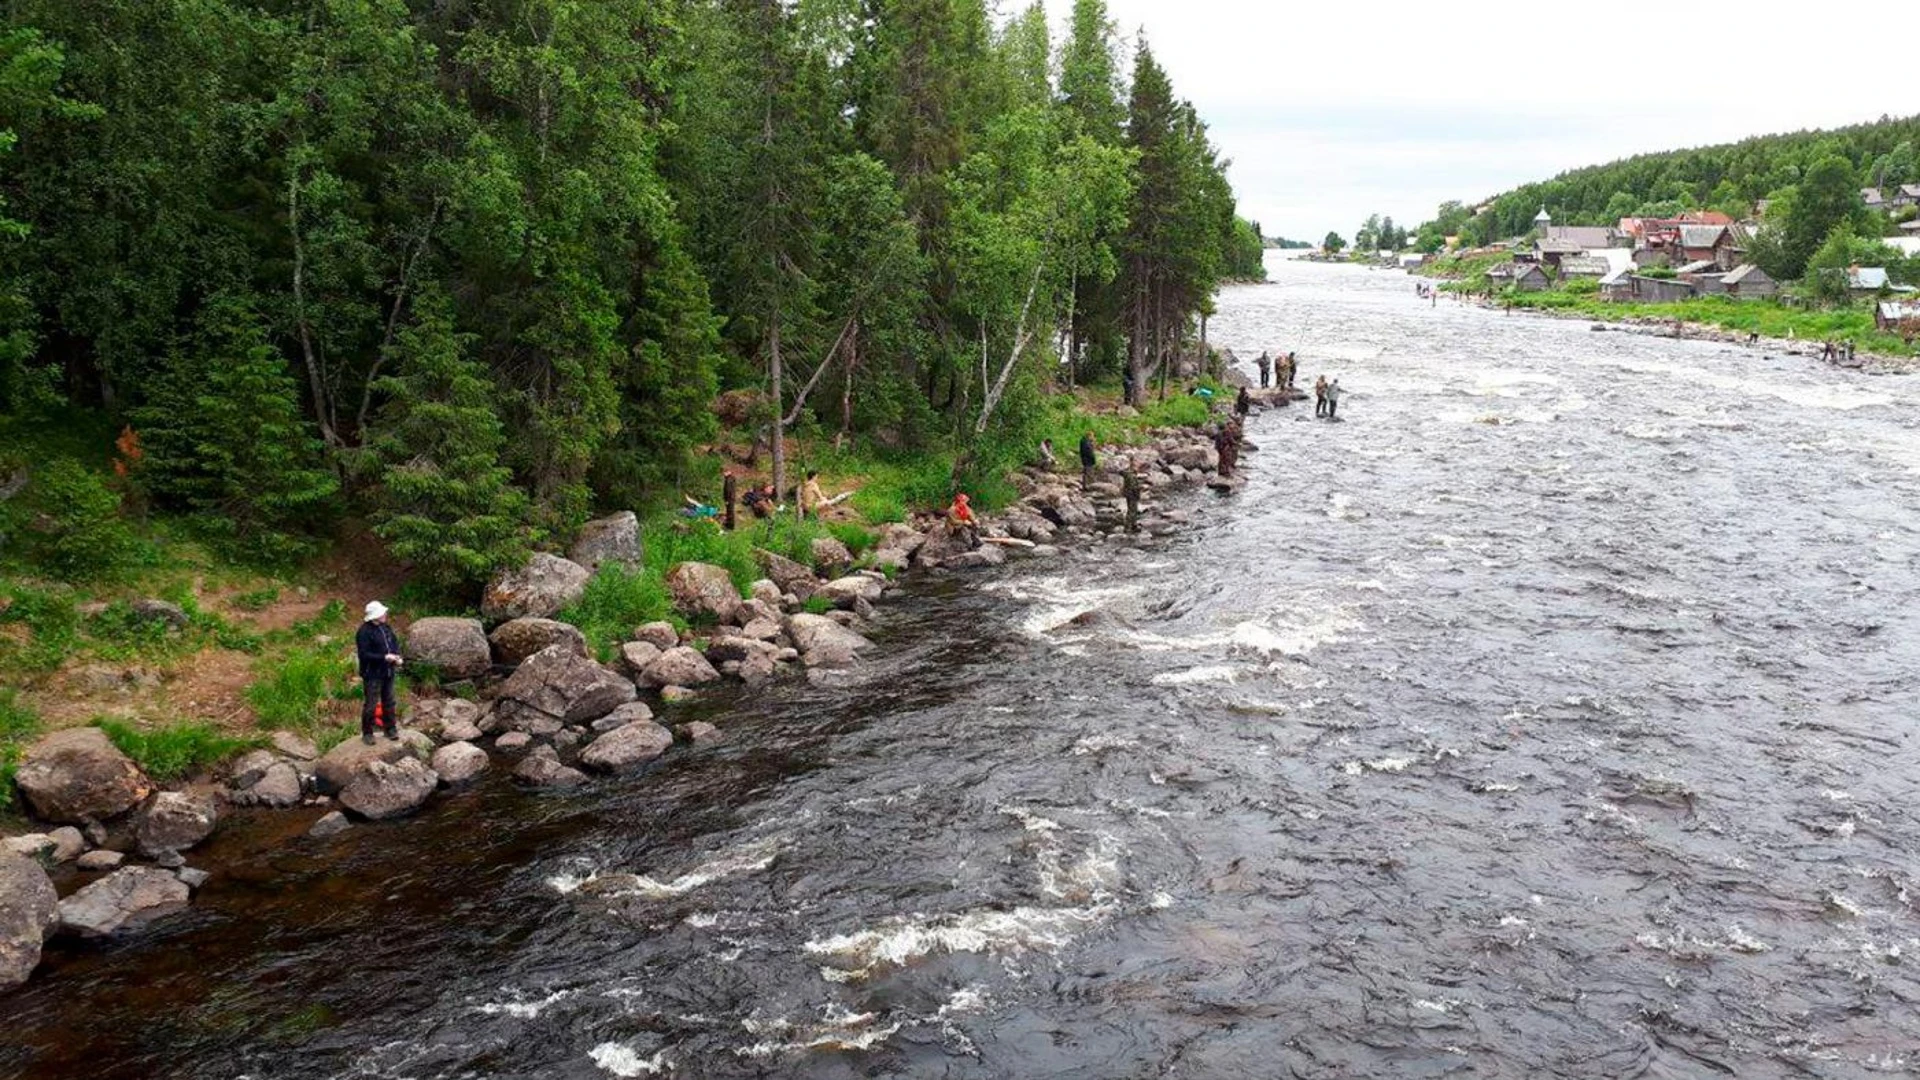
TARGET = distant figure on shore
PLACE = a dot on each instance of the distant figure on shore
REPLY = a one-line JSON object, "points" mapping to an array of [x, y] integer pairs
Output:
{"points": [[812, 499], [379, 653], [1046, 454], [1227, 444], [1242, 403], [1265, 364], [1130, 490], [1320, 396], [1333, 398], [696, 509], [729, 496], [961, 521], [760, 502], [1293, 368], [1087, 461]]}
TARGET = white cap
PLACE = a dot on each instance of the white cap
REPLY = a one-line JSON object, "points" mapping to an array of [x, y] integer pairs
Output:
{"points": [[375, 610]]}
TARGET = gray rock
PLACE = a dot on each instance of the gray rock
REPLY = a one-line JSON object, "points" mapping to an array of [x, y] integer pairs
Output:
{"points": [[68, 843], [767, 591], [517, 639], [606, 541], [823, 642], [169, 860], [35, 846], [541, 589], [100, 859], [557, 686], [460, 731], [332, 823], [29, 910], [546, 772], [987, 555], [161, 611], [626, 747], [942, 543], [901, 537], [175, 821], [459, 762], [344, 763], [703, 589], [679, 666], [635, 656], [661, 635], [700, 733], [566, 737], [635, 712], [123, 900], [384, 790], [735, 649], [674, 695], [761, 629], [249, 767], [792, 578], [192, 878], [294, 746], [844, 591], [512, 741], [279, 788], [456, 648], [830, 556], [78, 775]]}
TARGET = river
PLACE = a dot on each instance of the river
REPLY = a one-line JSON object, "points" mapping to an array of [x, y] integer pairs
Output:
{"points": [[1550, 715]]}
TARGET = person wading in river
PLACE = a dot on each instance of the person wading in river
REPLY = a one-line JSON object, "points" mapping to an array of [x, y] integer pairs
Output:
{"points": [[1333, 398], [1130, 490], [1087, 461], [1266, 369], [1242, 403], [1320, 396], [379, 652], [1227, 445]]}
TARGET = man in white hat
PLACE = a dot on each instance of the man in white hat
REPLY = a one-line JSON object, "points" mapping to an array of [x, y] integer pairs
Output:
{"points": [[379, 652]]}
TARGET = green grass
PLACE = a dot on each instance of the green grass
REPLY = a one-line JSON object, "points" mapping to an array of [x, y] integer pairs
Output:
{"points": [[817, 605], [616, 601], [18, 725], [51, 618], [1764, 317], [176, 751], [290, 688], [257, 599]]}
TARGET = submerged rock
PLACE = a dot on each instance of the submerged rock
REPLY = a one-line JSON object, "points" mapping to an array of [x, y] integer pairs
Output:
{"points": [[128, 898], [332, 823]]}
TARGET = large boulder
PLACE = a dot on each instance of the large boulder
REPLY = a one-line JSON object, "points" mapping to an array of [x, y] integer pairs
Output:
{"points": [[516, 639], [78, 775], [842, 592], [459, 762], [608, 540], [793, 579], [830, 556], [627, 746], [703, 589], [942, 543], [823, 642], [29, 910], [541, 589], [344, 763], [679, 666], [1197, 456], [456, 648], [557, 686], [175, 821], [388, 790], [130, 897]]}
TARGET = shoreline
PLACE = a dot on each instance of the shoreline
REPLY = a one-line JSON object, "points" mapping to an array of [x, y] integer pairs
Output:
{"points": [[1679, 329], [99, 873]]}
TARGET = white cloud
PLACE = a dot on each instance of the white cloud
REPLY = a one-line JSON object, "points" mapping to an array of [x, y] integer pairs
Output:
{"points": [[1332, 111]]}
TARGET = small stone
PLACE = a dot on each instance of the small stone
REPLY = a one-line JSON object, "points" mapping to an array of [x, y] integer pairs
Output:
{"points": [[294, 746], [661, 635], [460, 731], [674, 695], [633, 712], [635, 656], [699, 733], [279, 788], [192, 878], [547, 773], [332, 824], [512, 741], [29, 845], [100, 859], [68, 843], [170, 860], [175, 821], [565, 738], [249, 767], [459, 762]]}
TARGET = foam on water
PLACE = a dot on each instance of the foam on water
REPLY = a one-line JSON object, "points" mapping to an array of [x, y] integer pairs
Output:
{"points": [[745, 860], [626, 1062], [522, 1010]]}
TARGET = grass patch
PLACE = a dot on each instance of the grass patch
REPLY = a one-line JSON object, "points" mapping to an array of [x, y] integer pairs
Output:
{"points": [[1764, 317], [616, 601], [817, 605], [18, 725], [176, 751], [291, 687], [257, 599], [49, 622]]}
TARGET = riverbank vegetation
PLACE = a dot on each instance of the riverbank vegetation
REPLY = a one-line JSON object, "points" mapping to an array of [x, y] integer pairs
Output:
{"points": [[408, 291]]}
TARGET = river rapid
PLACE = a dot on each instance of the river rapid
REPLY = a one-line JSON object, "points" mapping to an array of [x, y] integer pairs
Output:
{"points": [[1549, 715]]}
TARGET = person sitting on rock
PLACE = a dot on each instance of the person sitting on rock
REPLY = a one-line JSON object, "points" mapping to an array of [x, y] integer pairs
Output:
{"points": [[760, 502], [961, 522], [1046, 454], [812, 499], [379, 654]]}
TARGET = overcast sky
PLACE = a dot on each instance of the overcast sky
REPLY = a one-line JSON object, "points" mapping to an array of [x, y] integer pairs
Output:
{"points": [[1330, 111]]}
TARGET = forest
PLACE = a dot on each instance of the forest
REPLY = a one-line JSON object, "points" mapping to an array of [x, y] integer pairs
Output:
{"points": [[470, 271]]}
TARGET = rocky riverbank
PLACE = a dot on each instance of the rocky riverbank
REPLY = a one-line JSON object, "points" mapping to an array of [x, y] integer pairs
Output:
{"points": [[526, 695]]}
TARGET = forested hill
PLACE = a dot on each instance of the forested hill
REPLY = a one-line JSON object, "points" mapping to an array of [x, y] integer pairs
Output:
{"points": [[473, 271], [1729, 178]]}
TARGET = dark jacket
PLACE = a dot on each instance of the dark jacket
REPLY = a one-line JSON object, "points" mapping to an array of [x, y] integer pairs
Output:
{"points": [[1086, 451], [373, 643]]}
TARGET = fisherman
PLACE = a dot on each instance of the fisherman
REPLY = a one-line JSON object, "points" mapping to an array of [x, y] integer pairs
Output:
{"points": [[961, 522], [379, 653], [1087, 461], [1227, 444], [1320, 396], [1293, 368], [1265, 365], [1130, 490], [1333, 398], [729, 495], [1242, 403]]}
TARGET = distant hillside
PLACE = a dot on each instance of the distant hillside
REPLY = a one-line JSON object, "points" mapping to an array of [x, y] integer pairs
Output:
{"points": [[1729, 178]]}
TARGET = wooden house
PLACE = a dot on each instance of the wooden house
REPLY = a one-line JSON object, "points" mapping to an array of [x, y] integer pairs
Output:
{"points": [[1654, 290], [1873, 198], [1897, 317], [1529, 277], [1903, 196], [1749, 282]]}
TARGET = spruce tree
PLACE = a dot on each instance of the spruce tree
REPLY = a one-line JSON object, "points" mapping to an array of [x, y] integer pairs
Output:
{"points": [[443, 501]]}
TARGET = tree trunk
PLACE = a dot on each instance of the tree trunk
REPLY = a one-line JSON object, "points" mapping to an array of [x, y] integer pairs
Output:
{"points": [[1073, 333], [779, 420], [316, 385]]}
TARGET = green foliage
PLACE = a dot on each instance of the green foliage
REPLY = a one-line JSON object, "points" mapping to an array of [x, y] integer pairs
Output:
{"points": [[817, 605], [50, 618], [176, 751], [67, 523], [1333, 242], [225, 438], [289, 690], [616, 601], [1581, 286], [18, 726], [445, 503]]}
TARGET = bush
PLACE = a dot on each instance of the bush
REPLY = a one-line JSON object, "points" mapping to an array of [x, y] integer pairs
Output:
{"points": [[68, 521], [616, 601], [176, 751], [52, 619], [18, 725], [290, 688]]}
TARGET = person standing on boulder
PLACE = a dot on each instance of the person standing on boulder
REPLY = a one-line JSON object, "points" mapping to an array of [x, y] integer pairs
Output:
{"points": [[1243, 403], [1266, 367], [379, 652], [1087, 461], [1130, 490]]}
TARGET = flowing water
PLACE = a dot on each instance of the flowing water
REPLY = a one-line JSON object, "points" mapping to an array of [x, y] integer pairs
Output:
{"points": [[1550, 715]]}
